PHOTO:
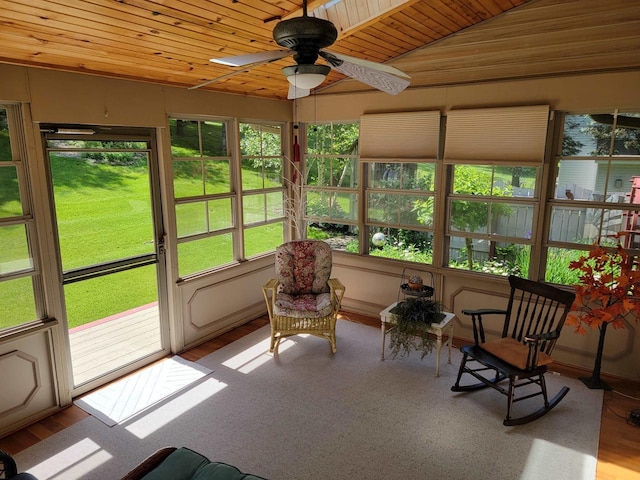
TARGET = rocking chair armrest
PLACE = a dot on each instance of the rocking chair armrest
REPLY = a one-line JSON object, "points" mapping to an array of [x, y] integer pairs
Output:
{"points": [[9, 466], [484, 311], [533, 342], [536, 338], [476, 321]]}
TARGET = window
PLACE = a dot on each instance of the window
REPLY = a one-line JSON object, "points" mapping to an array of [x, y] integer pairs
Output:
{"points": [[494, 157], [331, 187], [204, 194], [20, 280], [400, 151], [490, 222], [597, 188], [263, 190]]}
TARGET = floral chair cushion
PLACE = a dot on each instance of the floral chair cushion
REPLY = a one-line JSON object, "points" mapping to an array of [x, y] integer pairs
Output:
{"points": [[303, 306], [303, 267]]}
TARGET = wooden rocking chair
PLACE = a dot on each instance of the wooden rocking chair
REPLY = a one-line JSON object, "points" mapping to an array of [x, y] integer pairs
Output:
{"points": [[534, 318]]}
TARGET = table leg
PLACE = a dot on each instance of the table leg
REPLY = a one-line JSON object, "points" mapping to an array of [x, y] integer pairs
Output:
{"points": [[438, 348], [383, 328], [450, 341]]}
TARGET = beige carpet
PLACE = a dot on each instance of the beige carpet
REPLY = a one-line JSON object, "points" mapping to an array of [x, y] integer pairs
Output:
{"points": [[307, 414]]}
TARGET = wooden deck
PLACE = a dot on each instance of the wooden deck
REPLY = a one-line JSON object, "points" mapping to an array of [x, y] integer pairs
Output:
{"points": [[105, 345]]}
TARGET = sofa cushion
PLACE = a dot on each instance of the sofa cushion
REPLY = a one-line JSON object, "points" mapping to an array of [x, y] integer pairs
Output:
{"points": [[222, 471], [185, 464], [182, 464]]}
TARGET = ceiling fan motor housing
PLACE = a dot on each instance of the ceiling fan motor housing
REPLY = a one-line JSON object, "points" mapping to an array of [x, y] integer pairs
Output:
{"points": [[305, 36]]}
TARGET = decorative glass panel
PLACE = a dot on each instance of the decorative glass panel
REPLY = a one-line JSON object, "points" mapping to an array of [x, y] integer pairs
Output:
{"points": [[486, 256], [254, 208], [401, 244], [10, 204], [185, 138], [14, 253], [588, 225], [191, 218], [275, 205], [187, 178], [198, 255], [263, 239], [220, 214], [22, 307], [218, 177], [214, 139]]}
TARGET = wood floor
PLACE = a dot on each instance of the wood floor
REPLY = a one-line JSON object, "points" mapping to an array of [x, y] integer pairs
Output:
{"points": [[618, 453]]}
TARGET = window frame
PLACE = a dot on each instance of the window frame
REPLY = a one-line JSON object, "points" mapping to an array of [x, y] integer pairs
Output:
{"points": [[264, 191], [555, 201], [19, 160]]}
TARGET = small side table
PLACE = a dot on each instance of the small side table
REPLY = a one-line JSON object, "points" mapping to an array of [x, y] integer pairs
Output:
{"points": [[387, 322]]}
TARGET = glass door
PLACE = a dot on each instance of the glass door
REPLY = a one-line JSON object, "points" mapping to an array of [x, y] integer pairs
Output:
{"points": [[109, 237]]}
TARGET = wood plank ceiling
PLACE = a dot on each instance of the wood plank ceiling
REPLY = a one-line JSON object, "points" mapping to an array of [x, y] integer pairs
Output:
{"points": [[171, 41]]}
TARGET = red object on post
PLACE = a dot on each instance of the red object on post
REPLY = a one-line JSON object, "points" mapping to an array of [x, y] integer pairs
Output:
{"points": [[296, 158]]}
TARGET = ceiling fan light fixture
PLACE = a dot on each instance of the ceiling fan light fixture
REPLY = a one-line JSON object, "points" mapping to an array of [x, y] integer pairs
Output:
{"points": [[306, 76]]}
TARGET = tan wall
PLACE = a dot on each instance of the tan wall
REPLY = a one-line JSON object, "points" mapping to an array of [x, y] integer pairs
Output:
{"points": [[590, 93], [199, 309], [372, 283]]}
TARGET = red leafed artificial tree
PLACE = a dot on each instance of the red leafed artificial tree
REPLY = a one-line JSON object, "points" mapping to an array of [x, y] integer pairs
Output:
{"points": [[608, 292]]}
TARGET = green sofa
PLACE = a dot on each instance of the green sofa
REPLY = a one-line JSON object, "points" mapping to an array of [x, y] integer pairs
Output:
{"points": [[171, 463]]}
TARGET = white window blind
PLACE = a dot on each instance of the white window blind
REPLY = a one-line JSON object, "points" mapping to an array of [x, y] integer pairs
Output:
{"points": [[399, 137], [495, 135]]}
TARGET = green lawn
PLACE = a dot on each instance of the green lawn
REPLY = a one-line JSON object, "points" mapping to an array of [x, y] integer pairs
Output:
{"points": [[104, 213]]}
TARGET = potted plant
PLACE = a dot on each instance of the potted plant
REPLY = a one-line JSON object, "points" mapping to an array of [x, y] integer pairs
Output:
{"points": [[609, 290], [413, 317]]}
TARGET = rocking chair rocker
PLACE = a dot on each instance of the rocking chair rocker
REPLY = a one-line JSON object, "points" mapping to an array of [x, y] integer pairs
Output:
{"points": [[534, 318]]}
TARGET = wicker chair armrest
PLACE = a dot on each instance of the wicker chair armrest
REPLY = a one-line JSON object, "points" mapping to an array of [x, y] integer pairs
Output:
{"points": [[337, 290], [269, 291], [335, 284], [149, 463], [272, 284]]}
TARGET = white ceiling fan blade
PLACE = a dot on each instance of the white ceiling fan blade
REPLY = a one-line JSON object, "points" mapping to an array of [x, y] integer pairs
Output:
{"points": [[295, 92], [363, 63], [249, 58], [375, 78]]}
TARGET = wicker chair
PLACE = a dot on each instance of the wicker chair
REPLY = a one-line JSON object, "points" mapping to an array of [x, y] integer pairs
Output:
{"points": [[302, 298]]}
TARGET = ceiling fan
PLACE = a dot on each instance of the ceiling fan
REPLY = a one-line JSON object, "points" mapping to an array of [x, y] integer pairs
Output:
{"points": [[305, 38]]}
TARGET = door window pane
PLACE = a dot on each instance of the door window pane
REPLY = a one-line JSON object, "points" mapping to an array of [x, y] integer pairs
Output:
{"points": [[114, 193]]}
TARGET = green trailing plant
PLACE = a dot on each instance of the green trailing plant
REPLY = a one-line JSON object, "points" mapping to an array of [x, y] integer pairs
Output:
{"points": [[413, 317]]}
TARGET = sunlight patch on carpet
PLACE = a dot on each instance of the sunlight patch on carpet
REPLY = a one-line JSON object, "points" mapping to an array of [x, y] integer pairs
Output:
{"points": [[131, 395]]}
